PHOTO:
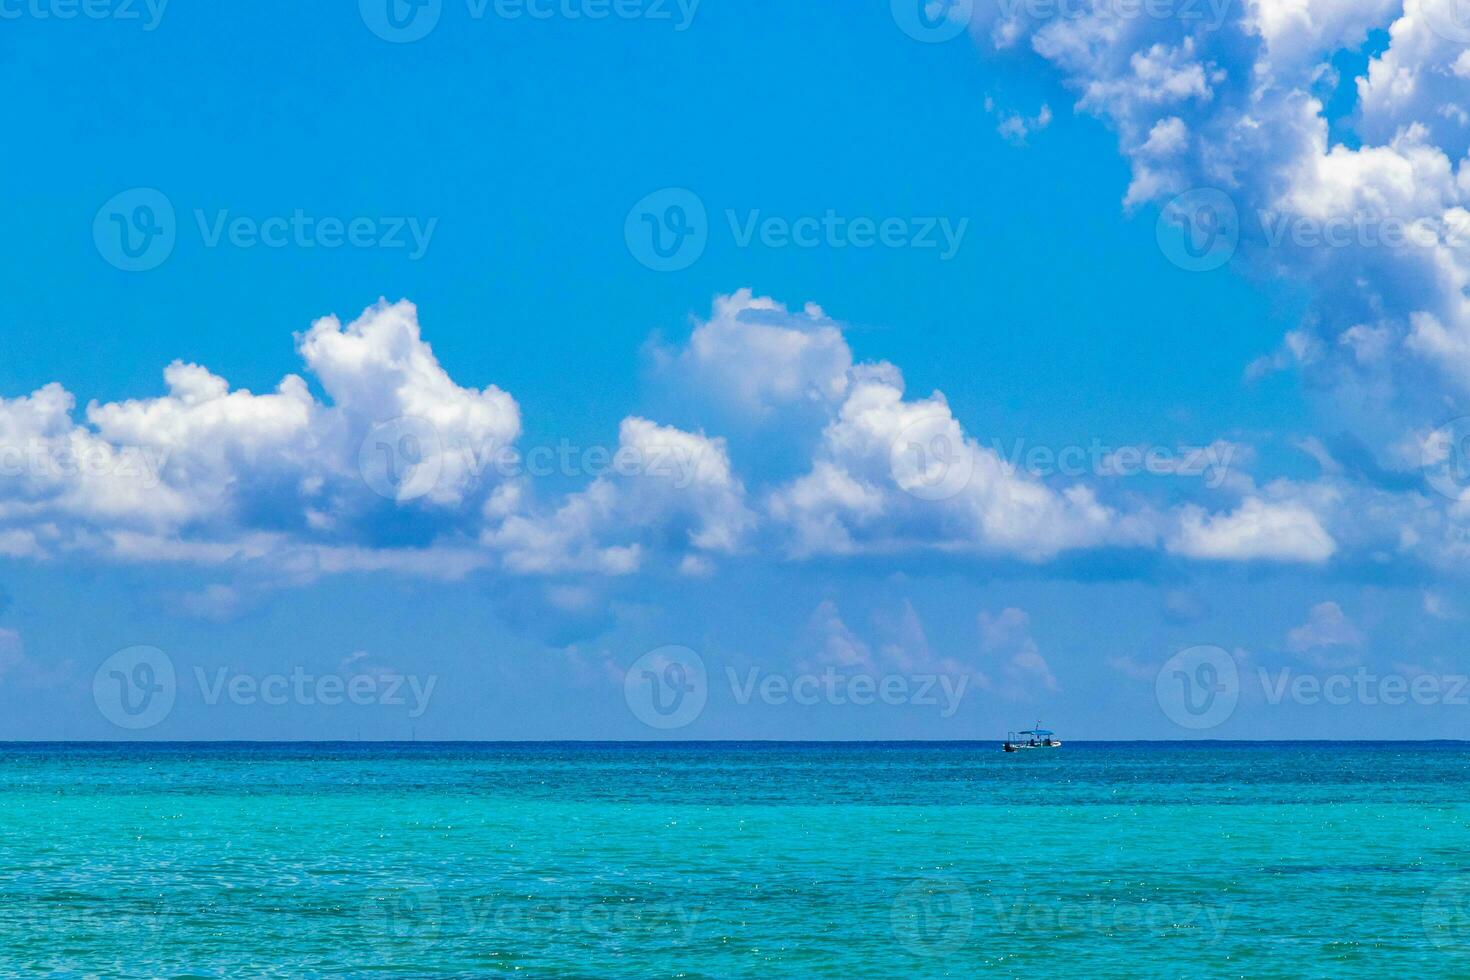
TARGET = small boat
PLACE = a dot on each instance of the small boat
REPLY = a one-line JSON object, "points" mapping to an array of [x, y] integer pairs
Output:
{"points": [[1031, 738]]}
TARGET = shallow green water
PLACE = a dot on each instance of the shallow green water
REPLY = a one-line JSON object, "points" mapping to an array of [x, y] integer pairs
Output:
{"points": [[727, 860]]}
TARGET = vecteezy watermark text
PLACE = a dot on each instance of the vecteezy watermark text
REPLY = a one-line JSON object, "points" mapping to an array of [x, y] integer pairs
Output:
{"points": [[147, 13], [832, 230], [1199, 687], [301, 687], [934, 21], [136, 688], [420, 912], [936, 916], [1363, 686], [837, 688], [669, 687], [407, 457], [1210, 15], [52, 459], [1202, 228], [301, 230], [1365, 229], [669, 229], [1212, 462], [137, 230], [405, 21], [930, 459]]}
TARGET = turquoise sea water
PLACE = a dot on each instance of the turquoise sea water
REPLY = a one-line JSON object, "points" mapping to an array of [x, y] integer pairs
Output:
{"points": [[1136, 859]]}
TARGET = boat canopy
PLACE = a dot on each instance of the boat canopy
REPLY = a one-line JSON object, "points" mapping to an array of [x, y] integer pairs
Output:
{"points": [[1036, 731]]}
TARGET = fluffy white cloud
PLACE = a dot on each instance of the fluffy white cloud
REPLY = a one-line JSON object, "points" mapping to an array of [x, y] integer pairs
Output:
{"points": [[892, 472], [379, 368], [19, 669], [901, 646], [1014, 127], [51, 468], [205, 458], [1326, 626], [1439, 607], [210, 475], [1419, 79], [1375, 222], [1232, 98], [832, 644], [222, 448], [759, 358], [666, 489], [280, 488], [1257, 529], [888, 473], [1297, 32], [1167, 138], [1005, 637]]}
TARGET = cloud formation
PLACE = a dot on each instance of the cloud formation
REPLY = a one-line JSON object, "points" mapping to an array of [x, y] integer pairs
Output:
{"points": [[399, 468], [1365, 205]]}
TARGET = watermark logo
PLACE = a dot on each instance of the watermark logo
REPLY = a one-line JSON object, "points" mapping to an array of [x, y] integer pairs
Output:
{"points": [[929, 459], [401, 459], [1199, 230], [1199, 687], [135, 230], [667, 230], [400, 21], [135, 688], [667, 688], [1445, 458], [932, 21], [1446, 915], [1450, 19], [404, 913], [933, 916]]}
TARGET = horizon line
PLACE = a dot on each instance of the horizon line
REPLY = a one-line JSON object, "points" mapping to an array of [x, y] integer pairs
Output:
{"points": [[727, 741]]}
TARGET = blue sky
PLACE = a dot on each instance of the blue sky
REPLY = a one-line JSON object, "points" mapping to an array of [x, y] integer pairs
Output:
{"points": [[517, 147]]}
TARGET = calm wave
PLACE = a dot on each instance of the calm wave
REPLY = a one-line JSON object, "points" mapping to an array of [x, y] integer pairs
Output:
{"points": [[730, 859]]}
